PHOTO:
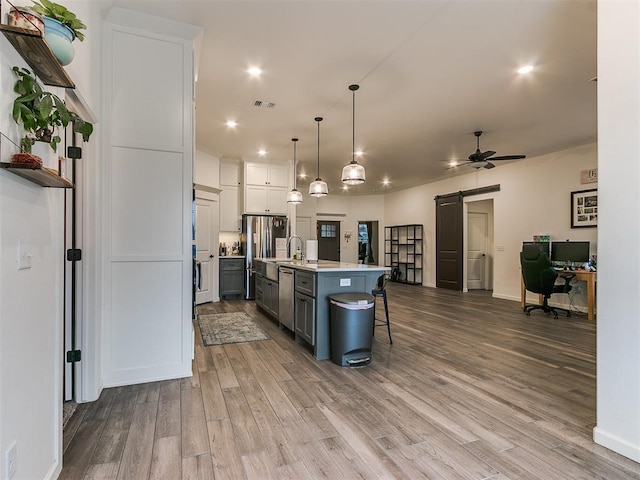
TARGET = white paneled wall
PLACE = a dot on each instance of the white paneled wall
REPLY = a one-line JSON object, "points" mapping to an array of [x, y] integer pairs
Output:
{"points": [[147, 200]]}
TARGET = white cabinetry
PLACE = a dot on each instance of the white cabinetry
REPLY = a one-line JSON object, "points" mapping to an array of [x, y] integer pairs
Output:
{"points": [[265, 188], [229, 197]]}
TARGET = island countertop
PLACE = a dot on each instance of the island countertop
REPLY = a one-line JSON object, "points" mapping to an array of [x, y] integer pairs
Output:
{"points": [[325, 265]]}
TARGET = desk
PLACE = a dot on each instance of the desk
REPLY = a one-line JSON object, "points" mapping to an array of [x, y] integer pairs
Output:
{"points": [[583, 275]]}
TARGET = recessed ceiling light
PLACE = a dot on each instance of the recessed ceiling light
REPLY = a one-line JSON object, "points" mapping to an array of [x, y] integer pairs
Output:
{"points": [[385, 181], [525, 69], [254, 71], [262, 152], [302, 175], [232, 124], [345, 187], [359, 153]]}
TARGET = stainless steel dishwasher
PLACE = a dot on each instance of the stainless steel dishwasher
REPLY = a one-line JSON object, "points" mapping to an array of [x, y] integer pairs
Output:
{"points": [[286, 298]]}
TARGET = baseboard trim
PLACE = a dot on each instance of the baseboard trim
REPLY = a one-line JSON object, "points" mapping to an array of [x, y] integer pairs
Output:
{"points": [[616, 444]]}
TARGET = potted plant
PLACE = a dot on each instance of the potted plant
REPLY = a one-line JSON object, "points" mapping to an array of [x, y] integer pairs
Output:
{"points": [[41, 113], [61, 27]]}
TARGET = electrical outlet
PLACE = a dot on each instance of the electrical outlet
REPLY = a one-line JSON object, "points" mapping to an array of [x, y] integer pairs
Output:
{"points": [[11, 461], [579, 289]]}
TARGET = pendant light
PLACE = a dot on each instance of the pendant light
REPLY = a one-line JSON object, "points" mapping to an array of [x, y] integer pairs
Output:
{"points": [[353, 173], [294, 196], [318, 188]]}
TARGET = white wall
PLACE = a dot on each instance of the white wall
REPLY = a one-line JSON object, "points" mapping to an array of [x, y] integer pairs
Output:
{"points": [[31, 301], [618, 340], [348, 211], [206, 170], [534, 198]]}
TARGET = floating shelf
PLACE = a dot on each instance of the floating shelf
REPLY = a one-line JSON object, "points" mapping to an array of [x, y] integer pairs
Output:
{"points": [[32, 47], [35, 173]]}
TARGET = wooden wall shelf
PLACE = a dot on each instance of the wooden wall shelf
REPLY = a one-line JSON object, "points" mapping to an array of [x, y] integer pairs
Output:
{"points": [[31, 46], [38, 175]]}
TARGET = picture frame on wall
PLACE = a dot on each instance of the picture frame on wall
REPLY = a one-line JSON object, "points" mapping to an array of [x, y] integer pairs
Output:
{"points": [[584, 208]]}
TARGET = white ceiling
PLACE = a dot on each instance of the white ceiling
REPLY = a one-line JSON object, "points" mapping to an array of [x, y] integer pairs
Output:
{"points": [[430, 74]]}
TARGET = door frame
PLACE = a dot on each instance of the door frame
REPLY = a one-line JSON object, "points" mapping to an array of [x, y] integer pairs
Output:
{"points": [[466, 206], [338, 235], [483, 238], [214, 198]]}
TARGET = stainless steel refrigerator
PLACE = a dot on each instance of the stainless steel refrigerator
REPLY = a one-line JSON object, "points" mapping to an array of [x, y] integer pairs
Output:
{"points": [[259, 235]]}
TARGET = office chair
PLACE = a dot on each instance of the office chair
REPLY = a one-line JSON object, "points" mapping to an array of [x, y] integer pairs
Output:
{"points": [[539, 277], [380, 291]]}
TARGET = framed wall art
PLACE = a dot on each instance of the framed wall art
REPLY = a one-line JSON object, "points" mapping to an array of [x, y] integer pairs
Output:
{"points": [[584, 208]]}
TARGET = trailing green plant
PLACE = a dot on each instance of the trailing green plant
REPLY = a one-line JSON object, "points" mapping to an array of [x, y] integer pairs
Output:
{"points": [[41, 112], [62, 14]]}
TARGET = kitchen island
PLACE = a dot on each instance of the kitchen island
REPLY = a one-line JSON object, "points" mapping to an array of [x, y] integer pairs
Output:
{"points": [[313, 283]]}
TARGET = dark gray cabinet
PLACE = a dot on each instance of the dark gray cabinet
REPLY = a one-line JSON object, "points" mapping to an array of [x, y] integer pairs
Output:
{"points": [[305, 306], [270, 296], [305, 313], [231, 277]]}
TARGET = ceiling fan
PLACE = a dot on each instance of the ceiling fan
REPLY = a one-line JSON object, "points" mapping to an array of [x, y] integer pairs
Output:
{"points": [[480, 159]]}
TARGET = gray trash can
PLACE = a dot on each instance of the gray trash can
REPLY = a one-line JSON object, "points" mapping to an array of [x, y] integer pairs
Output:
{"points": [[351, 327]]}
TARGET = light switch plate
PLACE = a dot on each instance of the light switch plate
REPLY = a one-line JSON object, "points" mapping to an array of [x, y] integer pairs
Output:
{"points": [[25, 253]]}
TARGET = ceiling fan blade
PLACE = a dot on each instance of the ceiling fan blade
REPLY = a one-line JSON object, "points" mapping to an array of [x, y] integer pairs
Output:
{"points": [[489, 165], [487, 154], [509, 157]]}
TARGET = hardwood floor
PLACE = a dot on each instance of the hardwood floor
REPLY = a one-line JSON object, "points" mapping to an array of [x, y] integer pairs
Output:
{"points": [[470, 389]]}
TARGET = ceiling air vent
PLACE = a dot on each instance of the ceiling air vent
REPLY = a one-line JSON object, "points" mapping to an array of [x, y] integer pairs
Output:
{"points": [[263, 104]]}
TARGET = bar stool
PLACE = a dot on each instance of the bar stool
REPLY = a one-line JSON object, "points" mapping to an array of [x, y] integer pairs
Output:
{"points": [[380, 291]]}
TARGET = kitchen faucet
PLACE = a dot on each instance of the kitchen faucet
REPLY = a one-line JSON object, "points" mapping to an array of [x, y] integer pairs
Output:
{"points": [[301, 245]]}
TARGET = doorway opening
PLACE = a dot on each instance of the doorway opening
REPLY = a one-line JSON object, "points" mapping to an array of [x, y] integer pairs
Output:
{"points": [[479, 245], [368, 242]]}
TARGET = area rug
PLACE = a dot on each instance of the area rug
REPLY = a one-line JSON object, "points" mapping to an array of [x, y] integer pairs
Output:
{"points": [[221, 328]]}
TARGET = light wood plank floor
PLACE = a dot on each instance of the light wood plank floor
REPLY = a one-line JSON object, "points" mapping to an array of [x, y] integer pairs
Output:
{"points": [[472, 388]]}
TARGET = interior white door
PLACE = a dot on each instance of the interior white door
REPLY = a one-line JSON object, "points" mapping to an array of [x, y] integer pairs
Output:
{"points": [[477, 224], [303, 229], [206, 253]]}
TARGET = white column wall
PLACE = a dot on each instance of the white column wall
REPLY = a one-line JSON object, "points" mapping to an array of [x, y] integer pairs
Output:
{"points": [[147, 180], [618, 340]]}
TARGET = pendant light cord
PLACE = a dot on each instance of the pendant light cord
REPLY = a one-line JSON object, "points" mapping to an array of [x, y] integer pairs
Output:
{"points": [[353, 125], [318, 119], [295, 174], [353, 89]]}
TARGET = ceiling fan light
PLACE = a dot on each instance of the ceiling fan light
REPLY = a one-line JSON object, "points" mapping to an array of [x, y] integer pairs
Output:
{"points": [[294, 197], [318, 188], [478, 165], [353, 174]]}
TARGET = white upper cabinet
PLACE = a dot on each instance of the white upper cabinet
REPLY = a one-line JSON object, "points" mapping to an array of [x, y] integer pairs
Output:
{"points": [[265, 189], [275, 175]]}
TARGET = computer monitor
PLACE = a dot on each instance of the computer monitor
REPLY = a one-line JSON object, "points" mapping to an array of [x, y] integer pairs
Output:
{"points": [[570, 252], [542, 246]]}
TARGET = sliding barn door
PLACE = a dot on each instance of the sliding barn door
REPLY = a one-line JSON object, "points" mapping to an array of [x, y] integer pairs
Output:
{"points": [[449, 242]]}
